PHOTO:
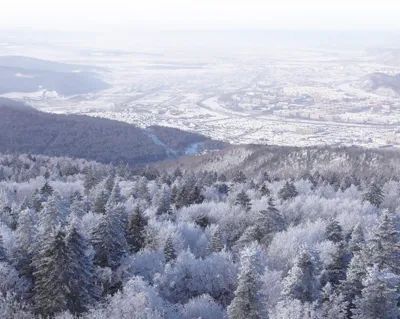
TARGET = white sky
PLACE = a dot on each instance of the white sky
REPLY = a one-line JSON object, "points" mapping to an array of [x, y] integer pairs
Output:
{"points": [[92, 15]]}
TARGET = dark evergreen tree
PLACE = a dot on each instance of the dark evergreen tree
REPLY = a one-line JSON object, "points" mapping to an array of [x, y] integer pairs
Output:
{"points": [[169, 250], [374, 195], [302, 282], [239, 177], [335, 271], [334, 232], [264, 190], [288, 191], [108, 239], [136, 233], [243, 200], [100, 202], [81, 286], [46, 190], [51, 276]]}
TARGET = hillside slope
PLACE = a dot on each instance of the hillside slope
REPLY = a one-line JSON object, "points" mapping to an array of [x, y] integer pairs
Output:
{"points": [[24, 129]]}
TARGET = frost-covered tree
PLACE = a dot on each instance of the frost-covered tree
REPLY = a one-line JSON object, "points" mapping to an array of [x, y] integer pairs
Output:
{"points": [[379, 298], [248, 301], [108, 238], [100, 202], [334, 231], [243, 200], [374, 195], [357, 240], [288, 191], [51, 275], [169, 250], [334, 271], [385, 244], [81, 285], [136, 232], [216, 241], [302, 281]]}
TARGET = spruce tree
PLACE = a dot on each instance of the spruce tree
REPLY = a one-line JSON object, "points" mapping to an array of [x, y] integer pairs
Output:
{"points": [[99, 205], [379, 297], [216, 241], [169, 250], [357, 240], [302, 282], [248, 301], [335, 271], [136, 232], [385, 244], [334, 232], [374, 195], [51, 275], [288, 191], [81, 286], [243, 200], [108, 239]]}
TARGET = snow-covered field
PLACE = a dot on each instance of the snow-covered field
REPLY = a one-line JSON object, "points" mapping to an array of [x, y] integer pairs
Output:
{"points": [[286, 97]]}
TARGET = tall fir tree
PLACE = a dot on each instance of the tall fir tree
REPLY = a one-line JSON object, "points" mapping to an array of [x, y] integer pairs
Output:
{"points": [[374, 195], [302, 282], [379, 297], [385, 244], [136, 232], [334, 232], [169, 250], [243, 200], [248, 301], [108, 239], [81, 286], [288, 191]]}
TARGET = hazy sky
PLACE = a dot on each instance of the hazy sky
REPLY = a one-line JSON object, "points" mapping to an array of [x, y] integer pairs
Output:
{"points": [[90, 15]]}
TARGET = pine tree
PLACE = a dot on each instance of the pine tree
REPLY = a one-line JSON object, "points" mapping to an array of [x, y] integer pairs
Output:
{"points": [[270, 221], [248, 301], [379, 297], [302, 280], [374, 195], [334, 232], [334, 305], [3, 254], [264, 190], [243, 201], [288, 191], [385, 244], [164, 202], [100, 202], [51, 216], [351, 287], [136, 233], [357, 240], [81, 287], [108, 239], [239, 177], [335, 271], [169, 250], [51, 276], [216, 242], [46, 190]]}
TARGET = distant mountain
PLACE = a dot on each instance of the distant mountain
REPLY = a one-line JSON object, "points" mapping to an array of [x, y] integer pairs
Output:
{"points": [[25, 74], [378, 80], [26, 130]]}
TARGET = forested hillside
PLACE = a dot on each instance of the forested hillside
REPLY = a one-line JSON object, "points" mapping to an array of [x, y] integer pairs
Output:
{"points": [[99, 241], [24, 129]]}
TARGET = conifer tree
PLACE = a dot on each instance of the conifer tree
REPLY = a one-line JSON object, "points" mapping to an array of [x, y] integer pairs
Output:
{"points": [[243, 200], [374, 195], [357, 240], [100, 202], [51, 275], [108, 239], [136, 233], [216, 242], [169, 250], [288, 191], [385, 244], [264, 190], [302, 281], [335, 271], [379, 297], [248, 301], [81, 286], [334, 232]]}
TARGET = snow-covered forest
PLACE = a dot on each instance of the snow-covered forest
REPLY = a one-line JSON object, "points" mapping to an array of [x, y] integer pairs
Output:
{"points": [[82, 239]]}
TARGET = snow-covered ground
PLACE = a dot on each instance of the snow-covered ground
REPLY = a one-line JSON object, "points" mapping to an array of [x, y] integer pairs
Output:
{"points": [[285, 97]]}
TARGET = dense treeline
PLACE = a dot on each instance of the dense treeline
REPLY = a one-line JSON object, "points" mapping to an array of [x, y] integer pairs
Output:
{"points": [[81, 239]]}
